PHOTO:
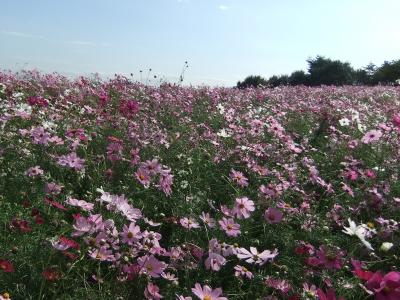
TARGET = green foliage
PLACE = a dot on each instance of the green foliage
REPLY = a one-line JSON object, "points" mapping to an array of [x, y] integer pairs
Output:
{"points": [[252, 81]]}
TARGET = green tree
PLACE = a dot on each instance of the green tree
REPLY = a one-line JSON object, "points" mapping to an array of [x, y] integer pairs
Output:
{"points": [[252, 81], [278, 80], [299, 77], [330, 72], [388, 73]]}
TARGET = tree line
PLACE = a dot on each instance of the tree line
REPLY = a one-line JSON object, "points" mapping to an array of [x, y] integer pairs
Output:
{"points": [[325, 71]]}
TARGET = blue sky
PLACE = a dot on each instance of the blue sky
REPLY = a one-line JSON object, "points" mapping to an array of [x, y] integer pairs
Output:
{"points": [[222, 40]]}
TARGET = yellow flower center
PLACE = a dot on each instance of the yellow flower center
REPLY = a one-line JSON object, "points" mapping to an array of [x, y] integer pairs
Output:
{"points": [[6, 296], [130, 235], [370, 225], [229, 227], [207, 297], [149, 268]]}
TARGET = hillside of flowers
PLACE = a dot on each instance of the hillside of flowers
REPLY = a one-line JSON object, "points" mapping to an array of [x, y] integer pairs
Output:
{"points": [[112, 189]]}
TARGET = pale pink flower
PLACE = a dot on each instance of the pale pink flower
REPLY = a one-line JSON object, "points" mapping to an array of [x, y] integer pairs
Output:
{"points": [[52, 188], [206, 293], [239, 178], [371, 136], [151, 167], [152, 292], [86, 206], [143, 177], [131, 234], [102, 254], [243, 271], [71, 161], [180, 297], [189, 223], [34, 171], [205, 217], [253, 256], [151, 266], [214, 261], [230, 227], [243, 207]]}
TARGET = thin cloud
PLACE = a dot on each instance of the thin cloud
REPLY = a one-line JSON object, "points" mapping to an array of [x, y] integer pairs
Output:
{"points": [[80, 43], [22, 34], [86, 43], [223, 7]]}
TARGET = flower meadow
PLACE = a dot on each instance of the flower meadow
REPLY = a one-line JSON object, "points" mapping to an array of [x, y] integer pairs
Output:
{"points": [[112, 189]]}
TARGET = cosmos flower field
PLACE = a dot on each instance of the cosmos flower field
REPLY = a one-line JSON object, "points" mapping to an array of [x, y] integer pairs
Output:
{"points": [[111, 189]]}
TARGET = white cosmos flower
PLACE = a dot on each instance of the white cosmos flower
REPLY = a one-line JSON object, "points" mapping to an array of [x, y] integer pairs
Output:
{"points": [[359, 231], [220, 108], [344, 122], [223, 133]]}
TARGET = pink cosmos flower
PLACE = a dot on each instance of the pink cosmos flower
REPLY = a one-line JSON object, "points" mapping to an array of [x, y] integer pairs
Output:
{"points": [[114, 151], [71, 161], [253, 256], [239, 178], [189, 223], [273, 215], [243, 271], [230, 227], [52, 188], [180, 297], [64, 243], [152, 292], [151, 167], [165, 182], [214, 261], [131, 234], [34, 171], [243, 207], [86, 206], [102, 254], [396, 120], [143, 177], [40, 136], [330, 295], [151, 266], [226, 211], [205, 217], [351, 175], [281, 285], [206, 293], [371, 136]]}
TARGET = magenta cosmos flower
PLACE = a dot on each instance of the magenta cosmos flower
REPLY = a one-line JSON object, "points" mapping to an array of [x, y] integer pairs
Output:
{"points": [[206, 293], [385, 287], [273, 215], [230, 227], [371, 136], [243, 207]]}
